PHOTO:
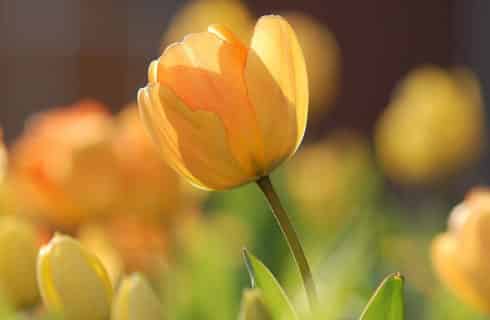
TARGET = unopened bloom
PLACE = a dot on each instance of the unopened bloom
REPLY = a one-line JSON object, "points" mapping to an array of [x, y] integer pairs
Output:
{"points": [[136, 300], [433, 126], [72, 281], [18, 251], [223, 114], [460, 255]]}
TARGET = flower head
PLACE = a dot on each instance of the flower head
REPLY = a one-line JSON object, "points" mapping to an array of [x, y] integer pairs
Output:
{"points": [[460, 255], [224, 114], [72, 281]]}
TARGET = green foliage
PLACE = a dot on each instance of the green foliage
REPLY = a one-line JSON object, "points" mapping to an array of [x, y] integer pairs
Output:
{"points": [[387, 303], [274, 296]]}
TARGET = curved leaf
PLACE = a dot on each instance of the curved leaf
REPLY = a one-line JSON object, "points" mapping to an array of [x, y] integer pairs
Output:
{"points": [[273, 295], [387, 302]]}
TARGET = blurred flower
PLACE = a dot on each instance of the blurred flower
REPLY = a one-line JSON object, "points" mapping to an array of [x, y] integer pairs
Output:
{"points": [[323, 60], [18, 251], [253, 307], [199, 14], [95, 238], [63, 164], [72, 281], [151, 188], [433, 127], [3, 159], [136, 300], [328, 179], [212, 105], [461, 256]]}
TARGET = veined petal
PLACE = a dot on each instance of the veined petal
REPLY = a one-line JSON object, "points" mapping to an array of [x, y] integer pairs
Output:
{"points": [[206, 73], [277, 84], [194, 142]]}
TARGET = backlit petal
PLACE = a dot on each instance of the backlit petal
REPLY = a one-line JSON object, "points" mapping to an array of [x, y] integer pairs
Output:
{"points": [[277, 85]]}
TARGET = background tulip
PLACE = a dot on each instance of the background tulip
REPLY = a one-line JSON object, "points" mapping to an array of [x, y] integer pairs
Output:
{"points": [[213, 106], [135, 299], [72, 281], [461, 257], [18, 251], [424, 136]]}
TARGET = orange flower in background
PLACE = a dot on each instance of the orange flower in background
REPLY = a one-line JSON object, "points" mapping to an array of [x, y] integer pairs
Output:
{"points": [[223, 114], [63, 165], [434, 126], [151, 189], [461, 256]]}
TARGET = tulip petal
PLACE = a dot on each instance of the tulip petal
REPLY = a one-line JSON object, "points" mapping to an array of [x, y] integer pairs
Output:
{"points": [[277, 84], [194, 142], [206, 72]]}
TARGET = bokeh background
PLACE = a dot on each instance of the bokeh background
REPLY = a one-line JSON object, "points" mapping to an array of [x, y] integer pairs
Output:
{"points": [[397, 138]]}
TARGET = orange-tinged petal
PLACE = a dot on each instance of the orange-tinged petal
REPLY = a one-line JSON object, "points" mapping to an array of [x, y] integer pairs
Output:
{"points": [[195, 143], [206, 72], [446, 261], [277, 85]]}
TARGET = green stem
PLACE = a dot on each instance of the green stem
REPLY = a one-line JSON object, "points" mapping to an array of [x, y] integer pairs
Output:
{"points": [[291, 236]]}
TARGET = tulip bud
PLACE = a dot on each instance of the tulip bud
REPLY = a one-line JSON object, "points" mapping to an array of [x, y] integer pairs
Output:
{"points": [[18, 250], [460, 256], [253, 307], [72, 281], [136, 300]]}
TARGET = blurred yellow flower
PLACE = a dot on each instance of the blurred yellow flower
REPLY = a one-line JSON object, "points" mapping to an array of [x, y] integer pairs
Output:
{"points": [[323, 60], [136, 300], [328, 178], [223, 114], [72, 281], [63, 165], [18, 251], [433, 127], [151, 189], [461, 257], [199, 14]]}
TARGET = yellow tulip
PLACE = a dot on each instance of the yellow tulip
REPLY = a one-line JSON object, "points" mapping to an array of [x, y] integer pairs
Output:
{"points": [[72, 281], [461, 257], [18, 251], [433, 127], [223, 114], [136, 300]]}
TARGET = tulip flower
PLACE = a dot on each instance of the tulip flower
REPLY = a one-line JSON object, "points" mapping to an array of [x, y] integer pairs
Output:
{"points": [[136, 300], [224, 114], [63, 165], [433, 127], [460, 256], [72, 281], [18, 251]]}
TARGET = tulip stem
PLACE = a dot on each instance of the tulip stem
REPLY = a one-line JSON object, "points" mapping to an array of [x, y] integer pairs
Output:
{"points": [[291, 236]]}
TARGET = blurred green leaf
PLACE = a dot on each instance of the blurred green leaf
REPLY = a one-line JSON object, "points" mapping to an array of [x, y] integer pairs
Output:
{"points": [[387, 301], [274, 296]]}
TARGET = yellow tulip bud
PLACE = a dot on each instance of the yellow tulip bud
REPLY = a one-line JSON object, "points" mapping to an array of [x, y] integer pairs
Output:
{"points": [[460, 255], [18, 251], [136, 300], [433, 126], [253, 307], [72, 281], [223, 114]]}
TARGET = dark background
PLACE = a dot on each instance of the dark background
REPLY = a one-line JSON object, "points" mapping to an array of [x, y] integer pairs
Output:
{"points": [[55, 52]]}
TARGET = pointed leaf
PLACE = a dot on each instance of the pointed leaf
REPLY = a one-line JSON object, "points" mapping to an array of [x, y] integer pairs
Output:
{"points": [[274, 296], [387, 302]]}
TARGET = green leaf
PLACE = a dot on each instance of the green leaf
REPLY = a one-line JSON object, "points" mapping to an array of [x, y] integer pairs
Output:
{"points": [[273, 295], [387, 301]]}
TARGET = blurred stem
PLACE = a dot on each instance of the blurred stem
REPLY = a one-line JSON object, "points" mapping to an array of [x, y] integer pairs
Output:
{"points": [[291, 236]]}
